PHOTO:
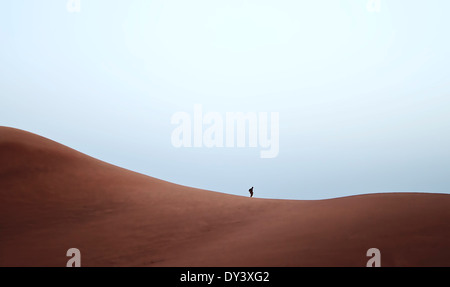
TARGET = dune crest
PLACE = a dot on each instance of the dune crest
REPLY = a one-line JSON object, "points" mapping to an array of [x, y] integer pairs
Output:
{"points": [[54, 198]]}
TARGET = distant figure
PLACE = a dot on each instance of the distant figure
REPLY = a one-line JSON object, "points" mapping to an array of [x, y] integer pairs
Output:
{"points": [[251, 191]]}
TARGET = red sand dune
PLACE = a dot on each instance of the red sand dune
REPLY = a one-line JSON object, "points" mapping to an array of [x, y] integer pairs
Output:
{"points": [[53, 198]]}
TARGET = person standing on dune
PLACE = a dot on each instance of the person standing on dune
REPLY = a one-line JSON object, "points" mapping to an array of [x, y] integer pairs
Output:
{"points": [[251, 191]]}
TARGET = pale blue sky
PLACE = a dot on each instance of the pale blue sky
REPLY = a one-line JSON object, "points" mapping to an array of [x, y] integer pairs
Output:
{"points": [[363, 98]]}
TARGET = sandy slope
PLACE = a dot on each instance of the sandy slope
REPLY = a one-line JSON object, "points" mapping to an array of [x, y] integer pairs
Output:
{"points": [[53, 198]]}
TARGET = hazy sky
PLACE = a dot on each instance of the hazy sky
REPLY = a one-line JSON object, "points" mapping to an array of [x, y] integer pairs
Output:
{"points": [[363, 97]]}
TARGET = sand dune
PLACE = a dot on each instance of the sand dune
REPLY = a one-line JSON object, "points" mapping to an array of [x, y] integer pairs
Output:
{"points": [[53, 198]]}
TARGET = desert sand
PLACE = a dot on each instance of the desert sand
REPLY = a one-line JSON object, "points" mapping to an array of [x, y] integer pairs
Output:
{"points": [[53, 198]]}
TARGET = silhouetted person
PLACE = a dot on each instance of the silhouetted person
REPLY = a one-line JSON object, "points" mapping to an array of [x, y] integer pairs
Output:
{"points": [[251, 191]]}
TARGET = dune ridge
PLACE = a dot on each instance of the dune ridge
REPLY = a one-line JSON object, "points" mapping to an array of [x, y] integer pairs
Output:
{"points": [[53, 198]]}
